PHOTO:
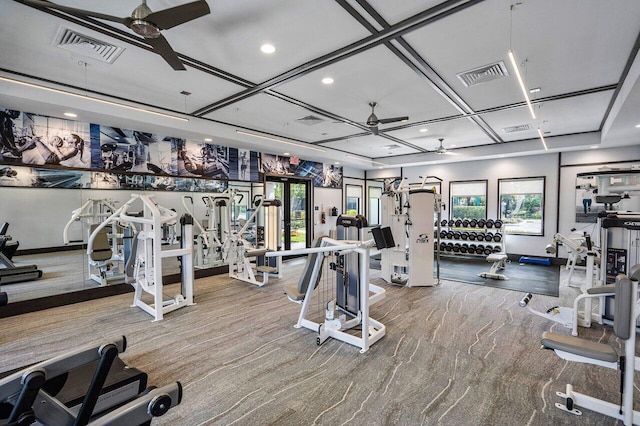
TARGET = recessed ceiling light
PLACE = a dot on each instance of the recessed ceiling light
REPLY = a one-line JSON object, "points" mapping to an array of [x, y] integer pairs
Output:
{"points": [[594, 147], [285, 153], [638, 126], [208, 139], [71, 114], [327, 80], [453, 145], [267, 48], [380, 167], [534, 90], [337, 162], [423, 130]]}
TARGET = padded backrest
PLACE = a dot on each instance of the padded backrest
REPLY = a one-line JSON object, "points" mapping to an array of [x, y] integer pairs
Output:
{"points": [[305, 278], [634, 272], [623, 311], [101, 246]]}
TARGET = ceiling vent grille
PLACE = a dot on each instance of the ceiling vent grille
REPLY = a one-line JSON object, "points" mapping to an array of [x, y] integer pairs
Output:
{"points": [[309, 120], [87, 46], [483, 74], [520, 128]]}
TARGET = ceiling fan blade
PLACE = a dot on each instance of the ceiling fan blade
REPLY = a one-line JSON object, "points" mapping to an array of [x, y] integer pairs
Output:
{"points": [[374, 130], [392, 120], [75, 11], [161, 46], [169, 18]]}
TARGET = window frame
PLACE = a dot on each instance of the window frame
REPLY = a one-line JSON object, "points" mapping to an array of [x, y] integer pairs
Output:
{"points": [[486, 198], [542, 204]]}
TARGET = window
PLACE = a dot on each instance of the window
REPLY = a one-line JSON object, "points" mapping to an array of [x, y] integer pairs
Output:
{"points": [[522, 205], [353, 200], [375, 205], [468, 200]]}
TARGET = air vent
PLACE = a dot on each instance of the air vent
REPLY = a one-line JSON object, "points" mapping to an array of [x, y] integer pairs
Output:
{"points": [[483, 74], [392, 146], [520, 128], [309, 120], [87, 46]]}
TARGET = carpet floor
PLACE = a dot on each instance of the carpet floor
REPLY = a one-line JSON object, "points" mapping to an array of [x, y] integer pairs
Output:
{"points": [[456, 354]]}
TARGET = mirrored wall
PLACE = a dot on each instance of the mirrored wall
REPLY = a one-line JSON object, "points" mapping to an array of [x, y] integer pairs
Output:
{"points": [[52, 240]]}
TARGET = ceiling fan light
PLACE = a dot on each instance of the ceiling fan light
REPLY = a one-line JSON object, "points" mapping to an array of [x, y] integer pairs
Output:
{"points": [[144, 28]]}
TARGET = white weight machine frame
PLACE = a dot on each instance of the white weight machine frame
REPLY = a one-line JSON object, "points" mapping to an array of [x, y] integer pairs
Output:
{"points": [[335, 324], [627, 364], [93, 212], [413, 235], [147, 275], [572, 317], [238, 252], [576, 249]]}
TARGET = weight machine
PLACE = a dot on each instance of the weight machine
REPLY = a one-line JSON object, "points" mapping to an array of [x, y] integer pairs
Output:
{"points": [[87, 386], [213, 231], [246, 259], [577, 250], [144, 268], [627, 310], [110, 247], [336, 281], [409, 212], [572, 317]]}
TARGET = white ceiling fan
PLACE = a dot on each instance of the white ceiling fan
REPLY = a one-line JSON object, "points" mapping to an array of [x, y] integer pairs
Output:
{"points": [[442, 150]]}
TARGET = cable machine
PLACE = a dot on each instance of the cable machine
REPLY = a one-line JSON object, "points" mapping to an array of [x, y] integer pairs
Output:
{"points": [[410, 211]]}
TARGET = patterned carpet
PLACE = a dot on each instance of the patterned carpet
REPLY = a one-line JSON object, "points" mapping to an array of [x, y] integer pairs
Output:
{"points": [[457, 354]]}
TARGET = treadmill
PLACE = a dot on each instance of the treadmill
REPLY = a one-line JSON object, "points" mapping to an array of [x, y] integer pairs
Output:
{"points": [[9, 272]]}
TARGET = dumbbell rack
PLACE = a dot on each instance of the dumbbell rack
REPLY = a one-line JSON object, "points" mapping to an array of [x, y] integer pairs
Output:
{"points": [[471, 237]]}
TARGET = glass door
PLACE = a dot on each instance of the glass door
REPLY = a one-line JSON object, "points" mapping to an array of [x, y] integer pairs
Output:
{"points": [[295, 195]]}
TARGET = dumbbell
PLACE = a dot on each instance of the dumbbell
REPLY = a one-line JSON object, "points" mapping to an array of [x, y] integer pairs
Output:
{"points": [[472, 248], [498, 223], [479, 249], [451, 222], [488, 237], [456, 248], [464, 248], [497, 237], [473, 236], [488, 250], [497, 249], [449, 247], [481, 223], [444, 222], [473, 223], [456, 235], [458, 223], [443, 234], [465, 223], [464, 235], [489, 223]]}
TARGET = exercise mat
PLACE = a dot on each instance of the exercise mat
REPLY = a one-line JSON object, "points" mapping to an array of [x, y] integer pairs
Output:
{"points": [[536, 279]]}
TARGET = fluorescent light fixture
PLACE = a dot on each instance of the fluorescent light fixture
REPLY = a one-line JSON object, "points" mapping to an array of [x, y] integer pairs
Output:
{"points": [[269, 138], [366, 160], [337, 162], [267, 48], [423, 130], [70, 114], [285, 153], [91, 98], [535, 90], [542, 139], [524, 89], [208, 139], [327, 80]]}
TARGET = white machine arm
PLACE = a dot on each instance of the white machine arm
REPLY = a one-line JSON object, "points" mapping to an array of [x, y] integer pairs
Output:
{"points": [[203, 233], [571, 244]]}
